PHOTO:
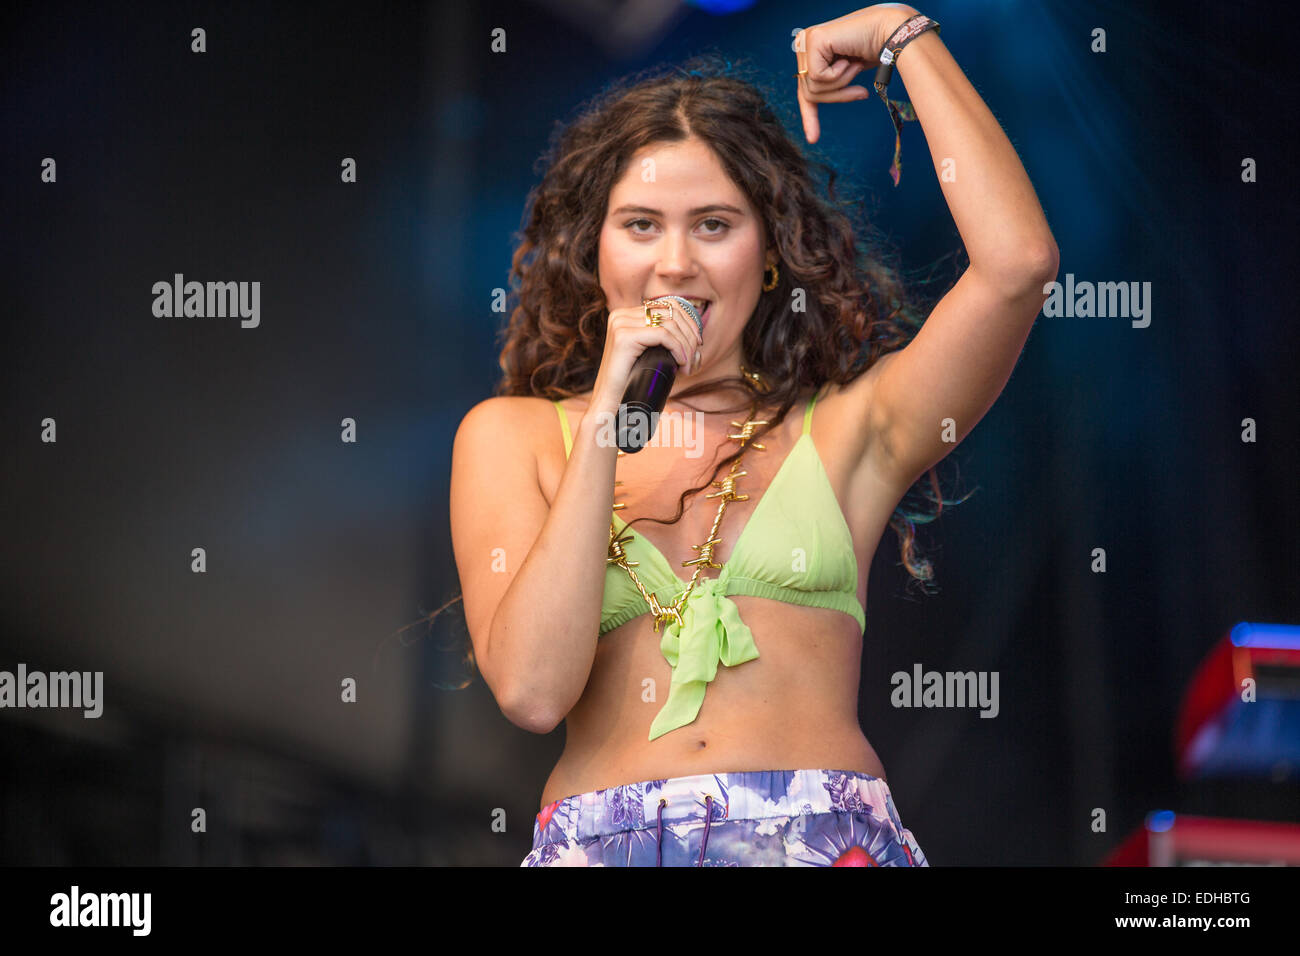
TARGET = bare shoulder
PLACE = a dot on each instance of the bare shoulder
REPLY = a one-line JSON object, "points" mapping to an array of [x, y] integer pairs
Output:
{"points": [[501, 415], [497, 410], [513, 432]]}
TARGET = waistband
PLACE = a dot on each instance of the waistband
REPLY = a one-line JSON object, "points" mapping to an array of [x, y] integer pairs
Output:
{"points": [[737, 795]]}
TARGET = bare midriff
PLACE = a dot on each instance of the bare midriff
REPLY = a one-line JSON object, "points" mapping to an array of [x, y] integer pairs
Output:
{"points": [[794, 707]]}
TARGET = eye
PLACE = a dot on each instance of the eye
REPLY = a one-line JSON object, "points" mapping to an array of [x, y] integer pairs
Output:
{"points": [[718, 225]]}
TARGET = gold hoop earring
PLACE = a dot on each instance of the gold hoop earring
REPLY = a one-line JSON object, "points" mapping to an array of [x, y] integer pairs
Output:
{"points": [[770, 284]]}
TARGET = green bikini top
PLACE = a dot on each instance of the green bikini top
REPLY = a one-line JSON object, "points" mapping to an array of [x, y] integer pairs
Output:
{"points": [[796, 547]]}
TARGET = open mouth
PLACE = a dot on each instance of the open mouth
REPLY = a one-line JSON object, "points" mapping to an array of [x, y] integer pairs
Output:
{"points": [[701, 306]]}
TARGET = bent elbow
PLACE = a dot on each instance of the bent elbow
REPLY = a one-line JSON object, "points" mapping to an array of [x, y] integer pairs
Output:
{"points": [[530, 715], [1046, 263], [535, 724], [1031, 272], [1040, 269]]}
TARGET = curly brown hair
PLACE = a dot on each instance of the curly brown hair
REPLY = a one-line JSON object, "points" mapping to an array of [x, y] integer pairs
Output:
{"points": [[854, 306]]}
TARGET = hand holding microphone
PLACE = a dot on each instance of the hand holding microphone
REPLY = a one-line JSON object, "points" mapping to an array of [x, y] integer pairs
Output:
{"points": [[644, 348], [652, 378]]}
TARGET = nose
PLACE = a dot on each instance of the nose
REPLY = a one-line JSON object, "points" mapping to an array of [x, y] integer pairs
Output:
{"points": [[675, 259]]}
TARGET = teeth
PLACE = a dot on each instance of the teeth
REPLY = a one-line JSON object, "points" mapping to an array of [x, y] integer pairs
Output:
{"points": [[699, 304]]}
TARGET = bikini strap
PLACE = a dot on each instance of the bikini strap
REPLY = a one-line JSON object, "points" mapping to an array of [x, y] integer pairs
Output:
{"points": [[807, 415], [564, 426]]}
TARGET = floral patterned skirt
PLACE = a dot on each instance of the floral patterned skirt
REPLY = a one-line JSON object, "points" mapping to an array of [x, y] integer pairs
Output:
{"points": [[747, 818]]}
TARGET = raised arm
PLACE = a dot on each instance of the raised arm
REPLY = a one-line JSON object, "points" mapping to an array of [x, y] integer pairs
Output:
{"points": [[960, 360]]}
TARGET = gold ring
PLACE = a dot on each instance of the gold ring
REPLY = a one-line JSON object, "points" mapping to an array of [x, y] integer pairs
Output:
{"points": [[655, 318]]}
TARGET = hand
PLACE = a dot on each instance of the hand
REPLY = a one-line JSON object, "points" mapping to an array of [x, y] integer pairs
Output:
{"points": [[836, 51], [627, 336]]}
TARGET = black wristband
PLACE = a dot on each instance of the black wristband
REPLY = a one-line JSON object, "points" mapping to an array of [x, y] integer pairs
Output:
{"points": [[899, 110]]}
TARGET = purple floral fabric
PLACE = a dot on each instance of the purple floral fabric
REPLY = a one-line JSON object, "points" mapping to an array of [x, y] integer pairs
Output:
{"points": [[750, 818]]}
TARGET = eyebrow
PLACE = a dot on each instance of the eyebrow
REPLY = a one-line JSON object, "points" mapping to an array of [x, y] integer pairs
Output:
{"points": [[697, 211]]}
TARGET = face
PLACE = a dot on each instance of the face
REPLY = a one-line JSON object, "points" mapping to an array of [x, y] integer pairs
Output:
{"points": [[675, 224]]}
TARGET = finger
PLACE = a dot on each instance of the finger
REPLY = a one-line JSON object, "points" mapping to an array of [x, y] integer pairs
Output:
{"points": [[693, 334], [820, 59], [808, 111], [683, 345], [826, 74], [840, 74], [686, 332], [849, 94], [670, 337], [694, 338]]}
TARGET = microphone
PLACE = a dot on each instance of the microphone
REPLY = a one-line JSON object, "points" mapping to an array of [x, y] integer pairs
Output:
{"points": [[652, 378]]}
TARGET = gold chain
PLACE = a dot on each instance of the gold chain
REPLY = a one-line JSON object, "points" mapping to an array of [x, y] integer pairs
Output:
{"points": [[726, 493]]}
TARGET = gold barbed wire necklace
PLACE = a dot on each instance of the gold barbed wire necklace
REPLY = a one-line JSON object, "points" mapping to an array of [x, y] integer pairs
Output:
{"points": [[726, 494]]}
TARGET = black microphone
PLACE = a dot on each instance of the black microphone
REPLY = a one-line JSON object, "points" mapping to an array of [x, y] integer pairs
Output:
{"points": [[652, 378]]}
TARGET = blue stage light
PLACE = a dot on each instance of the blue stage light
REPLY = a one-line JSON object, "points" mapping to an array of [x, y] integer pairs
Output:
{"points": [[1266, 635], [721, 7], [1159, 821]]}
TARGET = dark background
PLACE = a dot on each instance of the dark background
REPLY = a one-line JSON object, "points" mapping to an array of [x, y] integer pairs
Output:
{"points": [[222, 689]]}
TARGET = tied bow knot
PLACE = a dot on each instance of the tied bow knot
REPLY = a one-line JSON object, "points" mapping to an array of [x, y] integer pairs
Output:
{"points": [[710, 632]]}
